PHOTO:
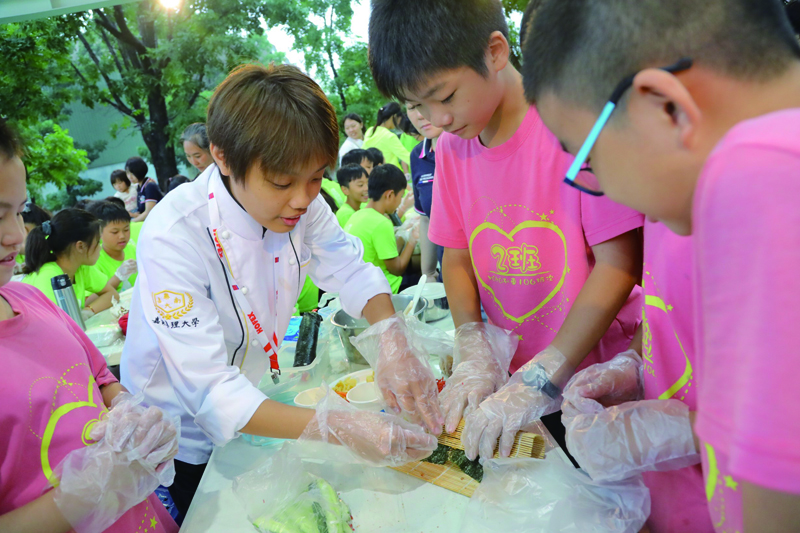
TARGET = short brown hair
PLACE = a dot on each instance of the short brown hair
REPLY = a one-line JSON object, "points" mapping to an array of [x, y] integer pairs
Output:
{"points": [[273, 116]]}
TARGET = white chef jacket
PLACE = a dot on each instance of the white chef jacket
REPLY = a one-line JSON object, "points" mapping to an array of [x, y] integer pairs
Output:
{"points": [[190, 350]]}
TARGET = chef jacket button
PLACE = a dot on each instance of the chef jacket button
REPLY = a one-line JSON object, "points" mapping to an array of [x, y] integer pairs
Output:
{"points": [[245, 290], [226, 234], [292, 261], [254, 344]]}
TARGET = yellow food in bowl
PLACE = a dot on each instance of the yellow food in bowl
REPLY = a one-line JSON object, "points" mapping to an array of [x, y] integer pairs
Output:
{"points": [[371, 378], [345, 385]]}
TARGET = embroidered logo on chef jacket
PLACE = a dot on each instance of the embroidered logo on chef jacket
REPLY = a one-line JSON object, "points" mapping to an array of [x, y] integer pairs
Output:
{"points": [[172, 305]]}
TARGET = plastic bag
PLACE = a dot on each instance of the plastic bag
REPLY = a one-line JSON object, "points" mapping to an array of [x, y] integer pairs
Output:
{"points": [[431, 340], [282, 496], [553, 497]]}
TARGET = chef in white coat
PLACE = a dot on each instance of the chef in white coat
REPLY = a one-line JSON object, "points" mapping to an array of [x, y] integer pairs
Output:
{"points": [[221, 262]]}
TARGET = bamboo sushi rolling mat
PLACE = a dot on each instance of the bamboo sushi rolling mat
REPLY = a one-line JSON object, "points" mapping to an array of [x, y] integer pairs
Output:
{"points": [[450, 477]]}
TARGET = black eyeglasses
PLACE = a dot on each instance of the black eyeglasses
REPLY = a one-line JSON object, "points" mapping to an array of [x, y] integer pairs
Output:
{"points": [[580, 174]]}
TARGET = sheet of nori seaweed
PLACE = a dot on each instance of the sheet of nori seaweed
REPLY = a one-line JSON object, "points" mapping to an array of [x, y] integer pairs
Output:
{"points": [[308, 335], [471, 468], [439, 455]]}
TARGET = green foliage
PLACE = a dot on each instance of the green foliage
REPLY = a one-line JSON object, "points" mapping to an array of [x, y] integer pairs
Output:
{"points": [[69, 195], [50, 156]]}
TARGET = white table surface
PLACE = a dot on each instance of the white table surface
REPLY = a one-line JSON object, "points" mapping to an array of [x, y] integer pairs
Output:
{"points": [[112, 353], [421, 508]]}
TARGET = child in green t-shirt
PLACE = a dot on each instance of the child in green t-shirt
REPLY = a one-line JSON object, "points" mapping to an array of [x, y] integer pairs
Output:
{"points": [[68, 244], [117, 260], [387, 185], [354, 181]]}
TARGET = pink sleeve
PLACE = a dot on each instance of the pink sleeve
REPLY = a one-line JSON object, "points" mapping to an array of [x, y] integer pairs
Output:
{"points": [[102, 375], [447, 224], [747, 245], [604, 219]]}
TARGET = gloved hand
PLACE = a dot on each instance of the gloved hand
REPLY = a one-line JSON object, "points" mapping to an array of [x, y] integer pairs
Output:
{"points": [[97, 484], [481, 356], [614, 382], [621, 441], [146, 434], [522, 401], [126, 270], [378, 439], [402, 372]]}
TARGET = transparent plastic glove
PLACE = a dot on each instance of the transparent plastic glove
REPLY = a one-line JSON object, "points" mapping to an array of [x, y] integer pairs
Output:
{"points": [[621, 441], [97, 484], [126, 270], [481, 356], [86, 313], [516, 405], [378, 439], [614, 382], [402, 372], [143, 433]]}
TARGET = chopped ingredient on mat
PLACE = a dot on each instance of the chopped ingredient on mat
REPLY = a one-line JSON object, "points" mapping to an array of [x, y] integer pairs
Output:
{"points": [[440, 383], [439, 455], [345, 385], [471, 468], [306, 349]]}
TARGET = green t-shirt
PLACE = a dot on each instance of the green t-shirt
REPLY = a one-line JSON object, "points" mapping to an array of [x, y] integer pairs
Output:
{"points": [[344, 213], [408, 141], [107, 266], [87, 281], [136, 227], [309, 297], [387, 142], [334, 190], [377, 233]]}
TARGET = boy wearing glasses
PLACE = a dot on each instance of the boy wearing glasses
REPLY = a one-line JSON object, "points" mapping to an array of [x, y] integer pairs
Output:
{"points": [[706, 139], [552, 266]]}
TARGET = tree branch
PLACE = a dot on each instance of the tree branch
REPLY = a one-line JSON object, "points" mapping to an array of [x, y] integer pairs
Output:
{"points": [[197, 92], [127, 36], [120, 104], [102, 98], [111, 49]]}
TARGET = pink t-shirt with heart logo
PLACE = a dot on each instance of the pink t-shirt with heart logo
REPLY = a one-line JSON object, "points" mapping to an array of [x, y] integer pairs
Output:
{"points": [[528, 233]]}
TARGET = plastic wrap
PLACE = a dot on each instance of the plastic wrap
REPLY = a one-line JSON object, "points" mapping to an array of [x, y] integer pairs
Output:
{"points": [[516, 405], [402, 370], [481, 357], [553, 497], [372, 438], [133, 455], [614, 382], [618, 442]]}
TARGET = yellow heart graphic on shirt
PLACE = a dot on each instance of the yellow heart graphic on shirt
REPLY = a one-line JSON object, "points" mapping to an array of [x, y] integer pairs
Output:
{"points": [[529, 224]]}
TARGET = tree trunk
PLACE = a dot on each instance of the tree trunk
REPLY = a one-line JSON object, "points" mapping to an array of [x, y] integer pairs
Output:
{"points": [[154, 133]]}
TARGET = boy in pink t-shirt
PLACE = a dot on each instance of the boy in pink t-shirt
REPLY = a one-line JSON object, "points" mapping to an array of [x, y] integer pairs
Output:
{"points": [[707, 140], [56, 387], [550, 266]]}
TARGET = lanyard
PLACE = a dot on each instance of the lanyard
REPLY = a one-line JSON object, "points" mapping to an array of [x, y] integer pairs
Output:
{"points": [[270, 348]]}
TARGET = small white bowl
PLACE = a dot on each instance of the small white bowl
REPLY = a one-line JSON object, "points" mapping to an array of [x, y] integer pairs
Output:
{"points": [[366, 396], [309, 398]]}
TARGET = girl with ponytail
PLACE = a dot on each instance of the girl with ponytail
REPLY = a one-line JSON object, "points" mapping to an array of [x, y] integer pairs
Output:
{"points": [[69, 244], [386, 141]]}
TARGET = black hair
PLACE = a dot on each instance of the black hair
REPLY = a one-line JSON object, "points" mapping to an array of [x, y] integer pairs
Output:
{"points": [[329, 200], [349, 173], [107, 212], [392, 109], [404, 53], [137, 167], [83, 204], [375, 155], [407, 127], [581, 49], [9, 142], [793, 12], [120, 175], [116, 201], [196, 133], [174, 181], [357, 118], [354, 157], [33, 214], [54, 237], [386, 178]]}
